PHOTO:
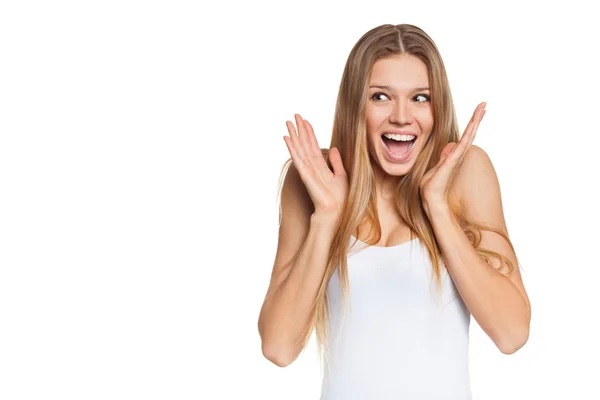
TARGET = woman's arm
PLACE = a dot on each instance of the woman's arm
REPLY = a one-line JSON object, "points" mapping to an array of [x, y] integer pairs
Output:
{"points": [[498, 303], [305, 238]]}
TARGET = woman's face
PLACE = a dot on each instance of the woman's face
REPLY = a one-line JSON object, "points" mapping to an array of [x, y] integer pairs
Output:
{"points": [[398, 103]]}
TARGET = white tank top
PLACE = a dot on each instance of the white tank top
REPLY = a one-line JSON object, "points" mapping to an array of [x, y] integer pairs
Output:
{"points": [[398, 341]]}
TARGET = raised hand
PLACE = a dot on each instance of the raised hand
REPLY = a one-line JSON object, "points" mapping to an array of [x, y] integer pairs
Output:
{"points": [[328, 190], [436, 182]]}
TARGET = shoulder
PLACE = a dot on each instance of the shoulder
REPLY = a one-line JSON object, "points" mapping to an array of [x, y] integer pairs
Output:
{"points": [[476, 154], [476, 170], [476, 186]]}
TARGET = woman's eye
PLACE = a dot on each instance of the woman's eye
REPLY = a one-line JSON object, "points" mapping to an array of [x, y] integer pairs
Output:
{"points": [[424, 96], [427, 98], [377, 94]]}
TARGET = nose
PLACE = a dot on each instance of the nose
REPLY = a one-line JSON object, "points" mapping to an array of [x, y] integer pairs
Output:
{"points": [[401, 113]]}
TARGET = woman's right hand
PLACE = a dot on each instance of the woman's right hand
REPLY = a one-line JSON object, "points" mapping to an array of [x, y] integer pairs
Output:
{"points": [[328, 190]]}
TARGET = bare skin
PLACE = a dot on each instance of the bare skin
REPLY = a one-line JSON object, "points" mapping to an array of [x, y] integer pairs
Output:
{"points": [[401, 105], [398, 107]]}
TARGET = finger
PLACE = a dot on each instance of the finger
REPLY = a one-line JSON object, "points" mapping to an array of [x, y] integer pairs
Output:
{"points": [[314, 149], [477, 115], [311, 155], [293, 153], [302, 135], [474, 126], [306, 173], [336, 162], [300, 138], [311, 138], [292, 143], [298, 145], [467, 138], [471, 124], [291, 129]]}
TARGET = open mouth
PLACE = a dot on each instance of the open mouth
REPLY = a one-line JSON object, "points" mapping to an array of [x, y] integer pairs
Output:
{"points": [[398, 147]]}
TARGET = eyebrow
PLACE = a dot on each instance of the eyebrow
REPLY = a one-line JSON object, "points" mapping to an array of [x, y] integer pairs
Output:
{"points": [[391, 89]]}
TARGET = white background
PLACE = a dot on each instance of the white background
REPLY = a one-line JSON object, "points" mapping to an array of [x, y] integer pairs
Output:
{"points": [[140, 148]]}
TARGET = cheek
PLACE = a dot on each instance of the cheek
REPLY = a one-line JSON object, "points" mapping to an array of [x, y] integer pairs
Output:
{"points": [[426, 118], [373, 140], [376, 113]]}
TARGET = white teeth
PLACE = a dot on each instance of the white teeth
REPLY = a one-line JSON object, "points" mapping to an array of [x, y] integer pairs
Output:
{"points": [[403, 138]]}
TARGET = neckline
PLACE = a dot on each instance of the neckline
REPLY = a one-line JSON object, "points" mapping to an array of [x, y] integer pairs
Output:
{"points": [[385, 247]]}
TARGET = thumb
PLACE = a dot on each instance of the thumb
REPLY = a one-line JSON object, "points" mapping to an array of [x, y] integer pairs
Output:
{"points": [[336, 161]]}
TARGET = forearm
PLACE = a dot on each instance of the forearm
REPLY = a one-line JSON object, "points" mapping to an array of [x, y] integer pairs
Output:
{"points": [[287, 313], [493, 300]]}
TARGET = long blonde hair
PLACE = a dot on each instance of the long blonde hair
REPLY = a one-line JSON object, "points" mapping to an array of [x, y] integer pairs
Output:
{"points": [[349, 135]]}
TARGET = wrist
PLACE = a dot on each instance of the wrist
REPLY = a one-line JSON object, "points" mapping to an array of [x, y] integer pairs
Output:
{"points": [[324, 220], [436, 207]]}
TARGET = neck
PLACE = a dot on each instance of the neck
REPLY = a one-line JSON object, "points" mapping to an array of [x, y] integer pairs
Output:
{"points": [[385, 184]]}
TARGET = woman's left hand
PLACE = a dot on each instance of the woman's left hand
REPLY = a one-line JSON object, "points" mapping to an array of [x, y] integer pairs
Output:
{"points": [[436, 182]]}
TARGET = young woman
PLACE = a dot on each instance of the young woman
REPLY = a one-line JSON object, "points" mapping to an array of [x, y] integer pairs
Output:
{"points": [[400, 201]]}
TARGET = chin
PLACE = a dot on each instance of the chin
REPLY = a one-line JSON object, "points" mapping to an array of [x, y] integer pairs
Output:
{"points": [[397, 170]]}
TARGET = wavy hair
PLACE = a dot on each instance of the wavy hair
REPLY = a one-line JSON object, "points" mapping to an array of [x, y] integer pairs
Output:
{"points": [[349, 135]]}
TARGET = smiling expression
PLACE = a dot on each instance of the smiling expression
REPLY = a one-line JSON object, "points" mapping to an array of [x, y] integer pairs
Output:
{"points": [[399, 100]]}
